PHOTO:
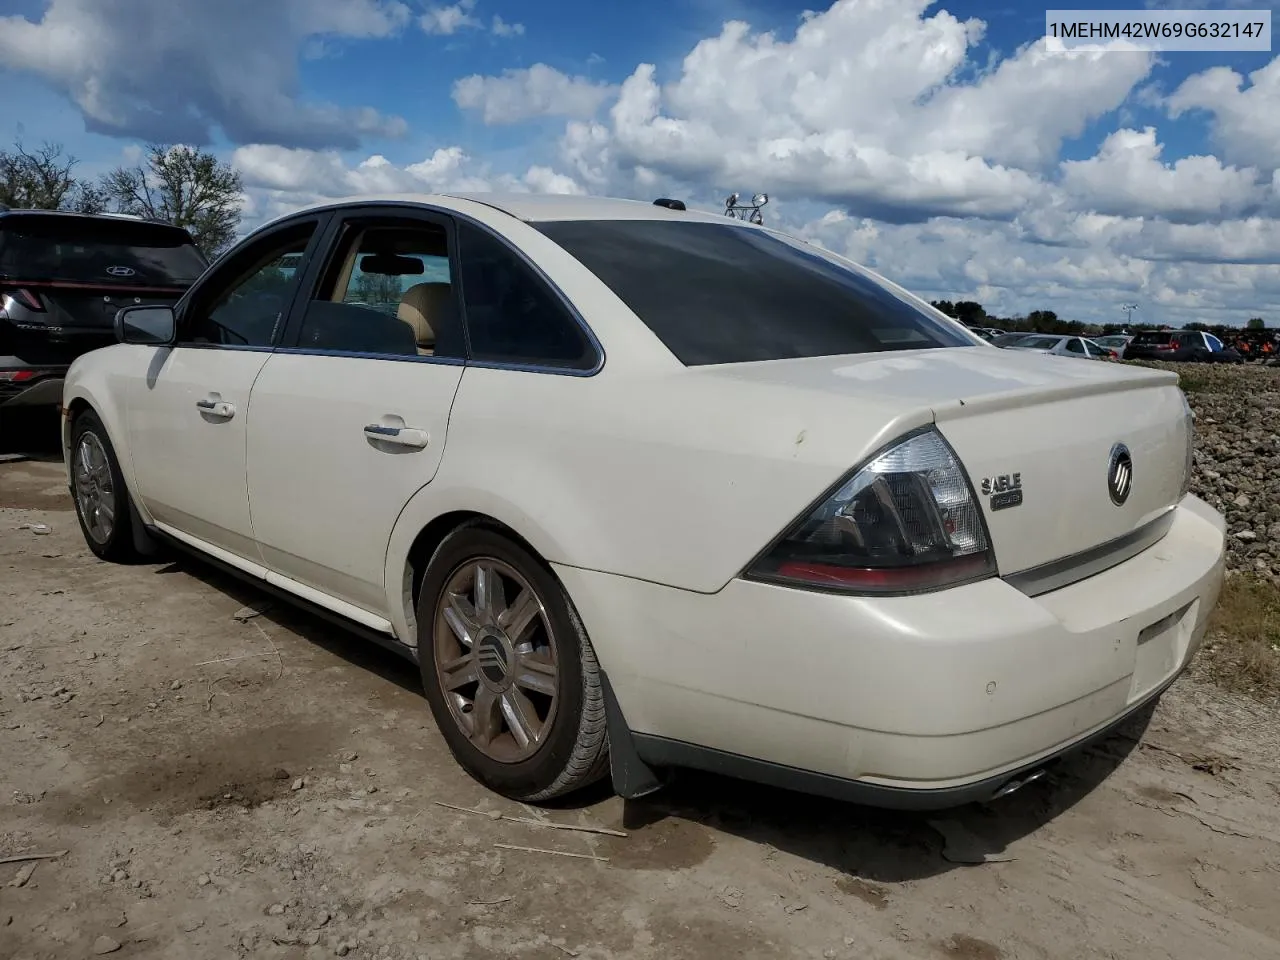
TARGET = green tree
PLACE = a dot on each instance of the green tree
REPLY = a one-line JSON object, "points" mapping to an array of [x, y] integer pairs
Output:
{"points": [[43, 179], [967, 311], [185, 186], [1256, 323]]}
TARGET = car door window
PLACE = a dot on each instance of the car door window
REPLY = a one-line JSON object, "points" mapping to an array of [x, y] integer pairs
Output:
{"points": [[387, 290], [512, 315], [1075, 346], [244, 303]]}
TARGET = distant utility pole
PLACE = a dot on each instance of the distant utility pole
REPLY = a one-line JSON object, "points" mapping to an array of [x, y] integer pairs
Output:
{"points": [[1128, 309]]}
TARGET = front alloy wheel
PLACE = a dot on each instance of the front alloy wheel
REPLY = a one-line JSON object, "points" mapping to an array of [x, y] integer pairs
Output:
{"points": [[101, 498], [94, 487]]}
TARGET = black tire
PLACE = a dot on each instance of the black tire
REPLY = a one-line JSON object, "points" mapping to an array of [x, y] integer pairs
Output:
{"points": [[118, 545], [574, 751]]}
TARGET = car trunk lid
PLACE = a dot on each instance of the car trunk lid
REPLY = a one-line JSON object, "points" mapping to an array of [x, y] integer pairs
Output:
{"points": [[1036, 435]]}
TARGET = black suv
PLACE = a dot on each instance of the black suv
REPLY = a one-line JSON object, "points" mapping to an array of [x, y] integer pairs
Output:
{"points": [[63, 276], [1182, 346]]}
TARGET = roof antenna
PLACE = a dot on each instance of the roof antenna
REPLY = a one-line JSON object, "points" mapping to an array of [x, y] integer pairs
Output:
{"points": [[669, 203], [746, 211]]}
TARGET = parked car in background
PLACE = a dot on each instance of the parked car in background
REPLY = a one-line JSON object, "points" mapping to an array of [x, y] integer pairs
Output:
{"points": [[1063, 346], [1115, 342], [63, 276], [1009, 339], [641, 488], [1180, 346]]}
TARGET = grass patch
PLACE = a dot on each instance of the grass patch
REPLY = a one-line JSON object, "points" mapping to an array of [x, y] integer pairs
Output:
{"points": [[1242, 648]]}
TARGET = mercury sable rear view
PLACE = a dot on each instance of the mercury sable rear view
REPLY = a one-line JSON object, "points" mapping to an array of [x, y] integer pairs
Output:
{"points": [[642, 488]]}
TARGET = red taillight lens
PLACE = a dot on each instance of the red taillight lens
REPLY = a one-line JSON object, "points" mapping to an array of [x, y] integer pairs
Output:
{"points": [[25, 297], [906, 522], [19, 376]]}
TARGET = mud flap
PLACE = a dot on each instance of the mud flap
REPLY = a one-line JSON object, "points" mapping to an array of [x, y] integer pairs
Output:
{"points": [[143, 541], [632, 777]]}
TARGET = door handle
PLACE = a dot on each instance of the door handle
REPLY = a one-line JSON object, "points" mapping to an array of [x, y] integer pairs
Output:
{"points": [[400, 436], [215, 407]]}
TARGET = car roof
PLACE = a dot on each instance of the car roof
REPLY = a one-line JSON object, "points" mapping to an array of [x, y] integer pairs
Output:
{"points": [[533, 206], [72, 214]]}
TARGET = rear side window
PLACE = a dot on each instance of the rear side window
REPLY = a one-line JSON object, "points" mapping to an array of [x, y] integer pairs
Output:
{"points": [[512, 315], [717, 293], [92, 250]]}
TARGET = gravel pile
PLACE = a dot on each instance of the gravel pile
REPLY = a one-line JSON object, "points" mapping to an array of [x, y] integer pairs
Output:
{"points": [[1237, 456]]}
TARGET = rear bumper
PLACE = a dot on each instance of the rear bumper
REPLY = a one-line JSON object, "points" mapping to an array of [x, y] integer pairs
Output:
{"points": [[32, 386], [907, 701]]}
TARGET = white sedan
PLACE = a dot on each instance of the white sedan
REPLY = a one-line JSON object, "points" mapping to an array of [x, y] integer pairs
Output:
{"points": [[1080, 347], [642, 488]]}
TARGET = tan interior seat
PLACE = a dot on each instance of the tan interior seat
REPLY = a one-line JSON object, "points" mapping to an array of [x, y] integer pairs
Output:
{"points": [[419, 306]]}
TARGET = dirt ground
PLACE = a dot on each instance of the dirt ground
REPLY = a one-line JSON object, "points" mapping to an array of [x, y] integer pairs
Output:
{"points": [[271, 787]]}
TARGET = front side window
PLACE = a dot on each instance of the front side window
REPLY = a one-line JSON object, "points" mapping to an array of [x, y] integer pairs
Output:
{"points": [[1075, 346], [513, 315], [259, 287], [720, 293], [387, 291]]}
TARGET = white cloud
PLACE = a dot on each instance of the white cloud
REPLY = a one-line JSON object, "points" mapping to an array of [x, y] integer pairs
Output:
{"points": [[537, 91], [1090, 279], [501, 28], [280, 179], [1128, 178], [872, 104], [1246, 120], [174, 70], [449, 19]]}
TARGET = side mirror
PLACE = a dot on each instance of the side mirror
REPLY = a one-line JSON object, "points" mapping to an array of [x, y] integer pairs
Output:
{"points": [[150, 325]]}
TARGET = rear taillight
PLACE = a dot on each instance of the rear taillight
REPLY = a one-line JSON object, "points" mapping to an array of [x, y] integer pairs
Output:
{"points": [[23, 297], [19, 376], [905, 522]]}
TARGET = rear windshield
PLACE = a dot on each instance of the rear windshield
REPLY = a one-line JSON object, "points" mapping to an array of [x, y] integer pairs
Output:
{"points": [[1152, 337], [85, 250], [1038, 343], [717, 293]]}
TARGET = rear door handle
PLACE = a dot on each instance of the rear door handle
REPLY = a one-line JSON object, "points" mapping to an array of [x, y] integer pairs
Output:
{"points": [[215, 406], [400, 436]]}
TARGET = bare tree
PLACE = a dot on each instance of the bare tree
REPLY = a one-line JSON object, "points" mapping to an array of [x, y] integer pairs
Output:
{"points": [[182, 185], [43, 179]]}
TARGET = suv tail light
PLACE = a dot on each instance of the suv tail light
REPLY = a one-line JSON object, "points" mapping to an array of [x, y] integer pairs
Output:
{"points": [[905, 522], [24, 297]]}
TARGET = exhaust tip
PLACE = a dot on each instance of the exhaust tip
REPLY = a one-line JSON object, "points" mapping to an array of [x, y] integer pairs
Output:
{"points": [[1017, 783]]}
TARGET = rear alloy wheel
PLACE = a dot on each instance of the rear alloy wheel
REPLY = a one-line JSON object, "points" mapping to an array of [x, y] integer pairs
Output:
{"points": [[101, 498], [508, 670]]}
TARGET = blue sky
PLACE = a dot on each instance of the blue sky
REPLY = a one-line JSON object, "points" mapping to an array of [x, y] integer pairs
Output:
{"points": [[937, 142]]}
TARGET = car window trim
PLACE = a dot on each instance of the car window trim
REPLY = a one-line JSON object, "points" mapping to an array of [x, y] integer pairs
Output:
{"points": [[322, 221], [426, 211]]}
